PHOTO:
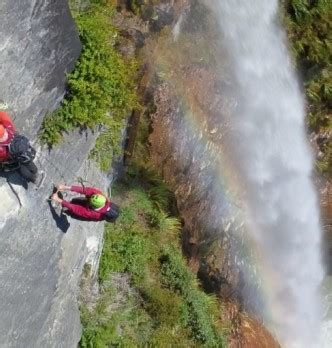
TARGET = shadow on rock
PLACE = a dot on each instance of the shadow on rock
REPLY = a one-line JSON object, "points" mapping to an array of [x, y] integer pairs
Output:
{"points": [[14, 178], [61, 220]]}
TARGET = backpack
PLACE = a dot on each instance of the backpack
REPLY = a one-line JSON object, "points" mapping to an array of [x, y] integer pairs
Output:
{"points": [[112, 213], [21, 150]]}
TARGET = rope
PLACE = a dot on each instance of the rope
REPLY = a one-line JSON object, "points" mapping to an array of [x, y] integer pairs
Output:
{"points": [[56, 168], [79, 179], [15, 192]]}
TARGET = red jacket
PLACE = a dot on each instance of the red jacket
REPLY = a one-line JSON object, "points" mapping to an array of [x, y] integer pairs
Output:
{"points": [[86, 211], [7, 122]]}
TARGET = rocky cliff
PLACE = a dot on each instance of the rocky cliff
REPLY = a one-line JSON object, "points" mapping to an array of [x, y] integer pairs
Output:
{"points": [[211, 248], [190, 146], [39, 263]]}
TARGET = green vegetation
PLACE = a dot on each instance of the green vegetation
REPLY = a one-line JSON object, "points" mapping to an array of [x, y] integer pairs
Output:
{"points": [[309, 26], [107, 146], [165, 306], [161, 304], [101, 89]]}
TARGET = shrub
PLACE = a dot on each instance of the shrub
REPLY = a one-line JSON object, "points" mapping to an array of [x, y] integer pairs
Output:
{"points": [[125, 251], [125, 325], [163, 305], [309, 28], [201, 316], [101, 89], [165, 336]]}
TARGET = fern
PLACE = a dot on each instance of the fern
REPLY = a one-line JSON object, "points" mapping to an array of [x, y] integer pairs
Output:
{"points": [[101, 89]]}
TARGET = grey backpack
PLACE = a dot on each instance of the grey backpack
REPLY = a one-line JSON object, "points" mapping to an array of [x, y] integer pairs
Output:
{"points": [[20, 149]]}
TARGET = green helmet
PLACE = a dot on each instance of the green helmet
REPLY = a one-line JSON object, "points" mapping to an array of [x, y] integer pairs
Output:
{"points": [[97, 201]]}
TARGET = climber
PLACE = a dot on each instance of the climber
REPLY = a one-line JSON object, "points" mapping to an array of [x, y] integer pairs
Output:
{"points": [[94, 207], [16, 153]]}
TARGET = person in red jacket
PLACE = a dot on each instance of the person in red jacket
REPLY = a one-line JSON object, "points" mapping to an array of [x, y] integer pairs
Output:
{"points": [[7, 133], [93, 207]]}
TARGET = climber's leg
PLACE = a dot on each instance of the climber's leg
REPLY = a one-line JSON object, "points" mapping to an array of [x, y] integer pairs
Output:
{"points": [[29, 171]]}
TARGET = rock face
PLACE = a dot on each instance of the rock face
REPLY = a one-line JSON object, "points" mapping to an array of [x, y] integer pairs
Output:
{"points": [[187, 167], [39, 264], [39, 45], [176, 150]]}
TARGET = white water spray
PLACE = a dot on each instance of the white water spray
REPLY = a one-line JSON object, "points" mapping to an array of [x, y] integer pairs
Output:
{"points": [[275, 163]]}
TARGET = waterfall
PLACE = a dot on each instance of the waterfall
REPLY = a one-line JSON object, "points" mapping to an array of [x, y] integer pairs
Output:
{"points": [[275, 164]]}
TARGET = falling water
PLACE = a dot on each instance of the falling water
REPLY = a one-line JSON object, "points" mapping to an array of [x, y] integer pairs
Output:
{"points": [[275, 163]]}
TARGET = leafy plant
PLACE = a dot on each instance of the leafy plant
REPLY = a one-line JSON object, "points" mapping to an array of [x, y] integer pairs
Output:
{"points": [[101, 89], [125, 252], [309, 27], [125, 325], [164, 305], [201, 316]]}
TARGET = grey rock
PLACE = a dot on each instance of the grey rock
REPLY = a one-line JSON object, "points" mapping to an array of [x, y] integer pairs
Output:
{"points": [[163, 15], [38, 46], [40, 266]]}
